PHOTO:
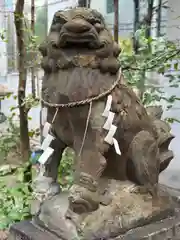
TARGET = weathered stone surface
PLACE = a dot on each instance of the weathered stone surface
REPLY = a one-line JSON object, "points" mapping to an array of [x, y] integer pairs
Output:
{"points": [[80, 62], [128, 209], [113, 191], [27, 231], [167, 229]]}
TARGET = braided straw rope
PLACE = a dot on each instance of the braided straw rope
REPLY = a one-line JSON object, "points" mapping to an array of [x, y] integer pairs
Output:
{"points": [[83, 102], [86, 101]]}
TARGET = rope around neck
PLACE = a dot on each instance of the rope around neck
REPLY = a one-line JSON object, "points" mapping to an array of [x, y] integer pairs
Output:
{"points": [[86, 101], [83, 102]]}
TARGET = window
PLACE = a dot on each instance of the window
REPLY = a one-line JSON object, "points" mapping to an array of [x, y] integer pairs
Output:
{"points": [[109, 6], [11, 44]]}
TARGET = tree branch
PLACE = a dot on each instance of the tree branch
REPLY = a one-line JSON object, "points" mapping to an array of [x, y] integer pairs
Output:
{"points": [[146, 67]]}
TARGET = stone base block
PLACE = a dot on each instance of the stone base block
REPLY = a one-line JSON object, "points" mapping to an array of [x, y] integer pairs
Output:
{"points": [[167, 229], [26, 230], [130, 216]]}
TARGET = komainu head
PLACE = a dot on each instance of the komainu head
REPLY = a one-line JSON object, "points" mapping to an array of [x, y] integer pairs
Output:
{"points": [[80, 31], [79, 27]]}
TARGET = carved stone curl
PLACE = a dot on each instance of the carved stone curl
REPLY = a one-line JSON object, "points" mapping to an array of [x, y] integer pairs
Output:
{"points": [[80, 61]]}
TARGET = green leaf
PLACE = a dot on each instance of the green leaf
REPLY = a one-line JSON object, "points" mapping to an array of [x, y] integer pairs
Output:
{"points": [[8, 95], [161, 70], [169, 107], [15, 215], [31, 133], [171, 120], [174, 85], [5, 222], [176, 66], [12, 108], [171, 77]]}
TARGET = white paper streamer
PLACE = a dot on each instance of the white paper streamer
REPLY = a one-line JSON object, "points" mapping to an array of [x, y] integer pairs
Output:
{"points": [[109, 136], [47, 141], [109, 121], [43, 115], [108, 106], [116, 146], [46, 129], [46, 155], [109, 126]]}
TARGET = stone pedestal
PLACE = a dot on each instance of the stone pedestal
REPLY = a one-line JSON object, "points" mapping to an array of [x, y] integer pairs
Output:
{"points": [[167, 229], [128, 217], [25, 230]]}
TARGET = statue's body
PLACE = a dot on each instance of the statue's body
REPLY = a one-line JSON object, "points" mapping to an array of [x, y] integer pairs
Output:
{"points": [[80, 62]]}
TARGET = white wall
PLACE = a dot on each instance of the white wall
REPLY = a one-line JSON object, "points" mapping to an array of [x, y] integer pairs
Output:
{"points": [[12, 83], [99, 6], [173, 28], [3, 62], [125, 15]]}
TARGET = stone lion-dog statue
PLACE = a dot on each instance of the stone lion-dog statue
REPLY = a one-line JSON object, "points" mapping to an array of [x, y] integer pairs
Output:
{"points": [[120, 146]]}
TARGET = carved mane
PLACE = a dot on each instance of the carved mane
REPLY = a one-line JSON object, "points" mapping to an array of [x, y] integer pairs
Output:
{"points": [[78, 64]]}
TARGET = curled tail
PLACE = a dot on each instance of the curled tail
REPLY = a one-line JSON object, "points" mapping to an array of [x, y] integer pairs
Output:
{"points": [[165, 136]]}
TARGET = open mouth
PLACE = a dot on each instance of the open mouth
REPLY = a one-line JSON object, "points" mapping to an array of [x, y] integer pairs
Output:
{"points": [[84, 40]]}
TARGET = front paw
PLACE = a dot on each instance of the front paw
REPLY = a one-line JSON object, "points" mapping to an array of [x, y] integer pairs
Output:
{"points": [[82, 200], [44, 188]]}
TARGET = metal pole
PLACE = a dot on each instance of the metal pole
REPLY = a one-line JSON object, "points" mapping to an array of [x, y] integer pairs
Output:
{"points": [[46, 27], [116, 21], [33, 33]]}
